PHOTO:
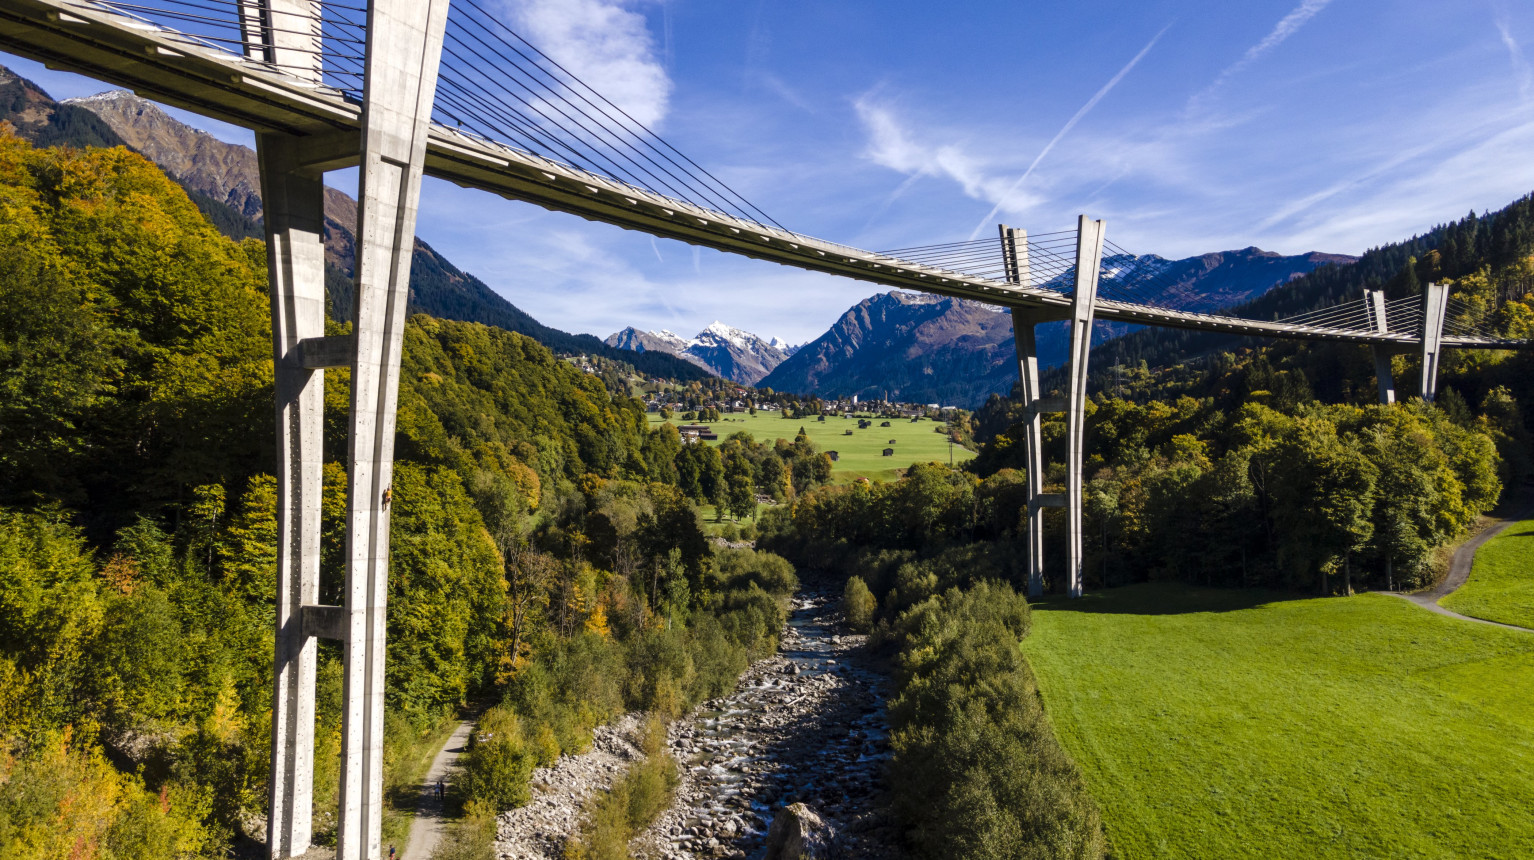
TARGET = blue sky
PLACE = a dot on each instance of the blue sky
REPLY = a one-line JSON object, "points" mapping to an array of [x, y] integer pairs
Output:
{"points": [[1331, 125]]}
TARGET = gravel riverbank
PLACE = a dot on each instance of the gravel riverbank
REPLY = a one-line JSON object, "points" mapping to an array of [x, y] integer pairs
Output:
{"points": [[806, 725]]}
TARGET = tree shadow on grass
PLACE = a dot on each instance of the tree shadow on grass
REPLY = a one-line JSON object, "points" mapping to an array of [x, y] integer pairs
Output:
{"points": [[1165, 599]]}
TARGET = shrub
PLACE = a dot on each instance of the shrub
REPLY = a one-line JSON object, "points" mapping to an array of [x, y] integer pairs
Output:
{"points": [[977, 771], [635, 799], [499, 762], [473, 838], [738, 568], [858, 605], [58, 801]]}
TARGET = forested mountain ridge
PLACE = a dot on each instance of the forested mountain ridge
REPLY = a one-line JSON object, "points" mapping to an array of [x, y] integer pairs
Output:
{"points": [[224, 180], [905, 346]]}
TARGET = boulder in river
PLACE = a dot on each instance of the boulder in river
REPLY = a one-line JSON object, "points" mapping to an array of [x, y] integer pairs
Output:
{"points": [[797, 833]]}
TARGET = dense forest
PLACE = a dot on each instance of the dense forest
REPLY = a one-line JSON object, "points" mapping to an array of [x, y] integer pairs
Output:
{"points": [[544, 559]]}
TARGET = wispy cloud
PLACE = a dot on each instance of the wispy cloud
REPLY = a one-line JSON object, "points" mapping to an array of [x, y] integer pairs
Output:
{"points": [[1522, 72], [892, 145], [605, 43], [1286, 27], [1064, 130]]}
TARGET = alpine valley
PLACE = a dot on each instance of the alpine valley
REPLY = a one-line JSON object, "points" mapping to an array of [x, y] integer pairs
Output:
{"points": [[929, 349]]}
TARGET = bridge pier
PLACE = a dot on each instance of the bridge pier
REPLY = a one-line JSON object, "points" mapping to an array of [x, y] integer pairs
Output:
{"points": [[294, 213], [404, 44], [1435, 304], [1374, 300], [293, 203], [1080, 313]]}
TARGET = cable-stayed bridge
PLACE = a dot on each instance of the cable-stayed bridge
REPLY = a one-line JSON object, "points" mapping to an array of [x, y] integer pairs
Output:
{"points": [[406, 88], [509, 120]]}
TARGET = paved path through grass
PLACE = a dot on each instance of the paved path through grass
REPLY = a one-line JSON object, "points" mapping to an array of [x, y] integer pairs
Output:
{"points": [[1461, 566], [1238, 724], [1496, 574], [429, 817]]}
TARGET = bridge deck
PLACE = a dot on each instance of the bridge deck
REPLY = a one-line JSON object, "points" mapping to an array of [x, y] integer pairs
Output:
{"points": [[161, 64]]}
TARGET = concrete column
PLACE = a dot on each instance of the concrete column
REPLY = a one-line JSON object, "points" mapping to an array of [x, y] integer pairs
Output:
{"points": [[293, 205], [1435, 303], [1028, 376], [1089, 258], [1014, 246], [1375, 301], [1014, 254], [404, 45], [286, 32]]}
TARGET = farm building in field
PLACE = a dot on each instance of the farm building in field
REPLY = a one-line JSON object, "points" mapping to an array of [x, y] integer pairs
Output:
{"points": [[889, 452], [697, 432], [834, 455]]}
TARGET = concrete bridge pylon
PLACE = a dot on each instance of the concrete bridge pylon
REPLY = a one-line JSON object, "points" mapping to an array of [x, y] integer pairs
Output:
{"points": [[1079, 313], [1374, 300], [402, 53], [1435, 305]]}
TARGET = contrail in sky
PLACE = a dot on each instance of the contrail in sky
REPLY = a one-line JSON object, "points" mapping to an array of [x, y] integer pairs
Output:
{"points": [[1070, 124]]}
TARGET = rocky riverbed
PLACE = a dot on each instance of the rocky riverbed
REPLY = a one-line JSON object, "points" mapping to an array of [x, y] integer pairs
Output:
{"points": [[806, 725], [538, 830]]}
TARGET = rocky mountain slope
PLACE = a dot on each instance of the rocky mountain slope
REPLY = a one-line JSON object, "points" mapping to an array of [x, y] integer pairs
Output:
{"points": [[224, 180], [906, 346], [927, 349], [724, 350]]}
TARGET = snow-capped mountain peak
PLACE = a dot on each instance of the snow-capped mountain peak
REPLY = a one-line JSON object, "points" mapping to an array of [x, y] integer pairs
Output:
{"points": [[717, 330], [728, 351]]}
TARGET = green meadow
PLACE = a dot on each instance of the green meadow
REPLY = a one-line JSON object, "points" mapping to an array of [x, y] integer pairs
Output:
{"points": [[1228, 724], [1501, 584], [861, 454]]}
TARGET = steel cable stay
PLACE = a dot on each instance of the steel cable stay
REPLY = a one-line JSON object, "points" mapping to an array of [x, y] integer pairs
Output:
{"points": [[238, 12], [228, 37], [235, 24], [577, 126], [611, 149], [1344, 318], [580, 148], [527, 136], [539, 138], [497, 30]]}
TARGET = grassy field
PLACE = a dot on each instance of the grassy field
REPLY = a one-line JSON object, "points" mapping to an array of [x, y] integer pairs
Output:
{"points": [[861, 453], [1501, 585], [1224, 724]]}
